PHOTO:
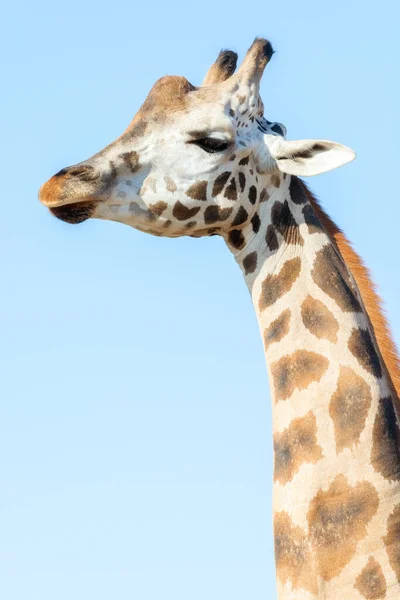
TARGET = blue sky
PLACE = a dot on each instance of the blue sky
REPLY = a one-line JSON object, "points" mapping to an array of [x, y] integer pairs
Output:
{"points": [[135, 442]]}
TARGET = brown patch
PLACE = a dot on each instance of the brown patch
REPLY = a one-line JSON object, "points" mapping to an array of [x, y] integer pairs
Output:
{"points": [[285, 223], [293, 556], [275, 286], [231, 192], [212, 214], [385, 455], [337, 521], [271, 238], [277, 329], [170, 183], [242, 181], [182, 212], [297, 191], [131, 159], [331, 275], [311, 220], [236, 239], [392, 540], [349, 408], [371, 300], [296, 372], [264, 196], [198, 191], [250, 263], [255, 223], [318, 319], [253, 194], [190, 225], [244, 161], [362, 347], [158, 208], [220, 182], [294, 446], [371, 582], [240, 217], [275, 180]]}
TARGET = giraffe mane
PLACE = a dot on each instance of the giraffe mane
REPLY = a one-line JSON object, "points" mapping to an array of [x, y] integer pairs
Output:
{"points": [[370, 297]]}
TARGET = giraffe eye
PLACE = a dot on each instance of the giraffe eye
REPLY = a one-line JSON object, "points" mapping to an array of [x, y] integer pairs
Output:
{"points": [[211, 145]]}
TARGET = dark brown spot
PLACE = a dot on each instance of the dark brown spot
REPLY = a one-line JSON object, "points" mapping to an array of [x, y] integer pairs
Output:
{"points": [[250, 263], [275, 286], [236, 238], [198, 190], [220, 182], [182, 212], [212, 214], [213, 231], [253, 194], [349, 408], [271, 238], [312, 221], [331, 275], [392, 540], [264, 196], [296, 372], [131, 159], [297, 191], [244, 161], [190, 225], [275, 180], [294, 446], [318, 319], [242, 181], [277, 329], [371, 582], [337, 521], [385, 456], [158, 208], [285, 223], [240, 217], [231, 192], [362, 347], [293, 556], [255, 223]]}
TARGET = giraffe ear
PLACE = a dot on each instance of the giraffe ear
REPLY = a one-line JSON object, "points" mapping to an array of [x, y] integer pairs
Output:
{"points": [[309, 157]]}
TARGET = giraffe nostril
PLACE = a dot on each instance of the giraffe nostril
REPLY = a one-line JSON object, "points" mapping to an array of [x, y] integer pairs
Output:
{"points": [[61, 173], [82, 172]]}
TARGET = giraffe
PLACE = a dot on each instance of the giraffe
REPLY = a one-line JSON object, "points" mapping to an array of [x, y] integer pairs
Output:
{"points": [[203, 161]]}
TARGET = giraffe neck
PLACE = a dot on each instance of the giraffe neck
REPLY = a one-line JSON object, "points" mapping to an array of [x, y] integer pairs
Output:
{"points": [[336, 438]]}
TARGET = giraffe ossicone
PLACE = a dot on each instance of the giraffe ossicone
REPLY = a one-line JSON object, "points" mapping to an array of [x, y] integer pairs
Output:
{"points": [[203, 161]]}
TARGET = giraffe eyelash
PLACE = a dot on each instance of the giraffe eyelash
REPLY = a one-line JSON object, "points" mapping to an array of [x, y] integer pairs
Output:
{"points": [[212, 145]]}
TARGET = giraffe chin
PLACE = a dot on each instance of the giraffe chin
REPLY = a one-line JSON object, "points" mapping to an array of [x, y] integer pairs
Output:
{"points": [[75, 213]]}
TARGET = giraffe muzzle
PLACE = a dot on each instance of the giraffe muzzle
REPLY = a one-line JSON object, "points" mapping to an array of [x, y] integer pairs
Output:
{"points": [[72, 194]]}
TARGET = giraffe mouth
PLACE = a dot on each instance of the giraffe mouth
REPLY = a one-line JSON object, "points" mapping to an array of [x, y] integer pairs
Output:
{"points": [[74, 213]]}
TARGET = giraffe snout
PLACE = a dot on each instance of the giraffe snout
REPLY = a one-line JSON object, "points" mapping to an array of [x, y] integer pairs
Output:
{"points": [[72, 194]]}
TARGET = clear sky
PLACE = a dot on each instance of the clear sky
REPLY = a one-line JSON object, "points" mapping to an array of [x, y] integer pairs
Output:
{"points": [[135, 443]]}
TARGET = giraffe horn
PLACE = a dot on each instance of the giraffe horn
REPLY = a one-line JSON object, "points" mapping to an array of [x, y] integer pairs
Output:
{"points": [[255, 61], [222, 69]]}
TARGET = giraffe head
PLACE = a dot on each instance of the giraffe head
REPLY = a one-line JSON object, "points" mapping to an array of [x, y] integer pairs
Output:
{"points": [[194, 159]]}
